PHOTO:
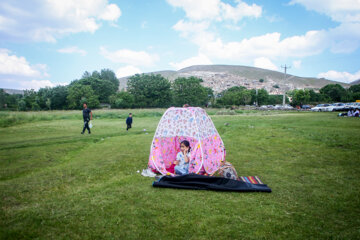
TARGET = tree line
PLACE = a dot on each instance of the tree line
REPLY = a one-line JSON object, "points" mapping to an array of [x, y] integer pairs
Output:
{"points": [[328, 94], [149, 91]]}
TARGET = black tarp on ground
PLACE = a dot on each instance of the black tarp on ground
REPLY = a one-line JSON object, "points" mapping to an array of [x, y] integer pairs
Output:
{"points": [[199, 182]]}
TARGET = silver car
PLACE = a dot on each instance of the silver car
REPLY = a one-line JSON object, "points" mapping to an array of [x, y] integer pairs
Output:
{"points": [[320, 108]]}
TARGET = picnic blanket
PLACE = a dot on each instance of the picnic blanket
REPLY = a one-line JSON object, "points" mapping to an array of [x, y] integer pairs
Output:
{"points": [[200, 182]]}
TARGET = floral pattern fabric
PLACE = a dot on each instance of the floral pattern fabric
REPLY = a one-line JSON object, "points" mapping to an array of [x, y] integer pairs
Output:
{"points": [[194, 125]]}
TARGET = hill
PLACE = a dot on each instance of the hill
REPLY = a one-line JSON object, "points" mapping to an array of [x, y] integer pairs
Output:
{"points": [[355, 82], [13, 91], [221, 77]]}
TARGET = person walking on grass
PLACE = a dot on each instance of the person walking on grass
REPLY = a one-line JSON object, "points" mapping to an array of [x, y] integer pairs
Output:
{"points": [[87, 115], [129, 121]]}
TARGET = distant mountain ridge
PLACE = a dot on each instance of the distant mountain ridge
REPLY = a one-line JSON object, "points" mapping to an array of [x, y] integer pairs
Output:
{"points": [[355, 82], [13, 91], [222, 77]]}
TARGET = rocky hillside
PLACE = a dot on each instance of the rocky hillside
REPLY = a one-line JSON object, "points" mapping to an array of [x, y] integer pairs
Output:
{"points": [[355, 82], [221, 77]]}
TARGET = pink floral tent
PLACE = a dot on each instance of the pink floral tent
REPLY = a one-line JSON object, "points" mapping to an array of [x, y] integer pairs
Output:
{"points": [[192, 124]]}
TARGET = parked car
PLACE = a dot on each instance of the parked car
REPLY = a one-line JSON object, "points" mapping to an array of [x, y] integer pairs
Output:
{"points": [[287, 107], [355, 105], [348, 106], [335, 107], [305, 107], [283, 107], [320, 108]]}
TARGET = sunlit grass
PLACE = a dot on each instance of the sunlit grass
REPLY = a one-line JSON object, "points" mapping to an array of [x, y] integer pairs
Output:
{"points": [[58, 184]]}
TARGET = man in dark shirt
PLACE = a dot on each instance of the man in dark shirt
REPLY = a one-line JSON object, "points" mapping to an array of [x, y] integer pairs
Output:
{"points": [[129, 121], [87, 115]]}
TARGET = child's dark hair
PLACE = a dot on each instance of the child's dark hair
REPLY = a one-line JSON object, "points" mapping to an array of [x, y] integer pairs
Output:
{"points": [[130, 113], [187, 144]]}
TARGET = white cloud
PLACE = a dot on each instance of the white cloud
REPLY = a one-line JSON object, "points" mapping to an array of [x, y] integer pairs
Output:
{"points": [[240, 11], [187, 27], [47, 20], [18, 66], [344, 38], [200, 59], [269, 45], [340, 11], [73, 49], [340, 76], [195, 31], [35, 84], [16, 72], [296, 64], [126, 56], [199, 9], [111, 13], [216, 10], [127, 71], [263, 62]]}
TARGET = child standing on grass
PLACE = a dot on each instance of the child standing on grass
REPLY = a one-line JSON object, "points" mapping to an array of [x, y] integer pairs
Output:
{"points": [[129, 121], [183, 158]]}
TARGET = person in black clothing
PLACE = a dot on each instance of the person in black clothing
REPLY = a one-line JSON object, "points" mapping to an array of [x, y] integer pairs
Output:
{"points": [[129, 121], [87, 115]]}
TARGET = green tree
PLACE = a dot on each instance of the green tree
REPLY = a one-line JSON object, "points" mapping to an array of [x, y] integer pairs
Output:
{"points": [[9, 101], [107, 74], [314, 97], [301, 97], [277, 99], [334, 91], [22, 105], [354, 93], [96, 74], [122, 100], [48, 103], [263, 97], [79, 94], [238, 95], [355, 88], [101, 87], [42, 96], [3, 98], [150, 90], [58, 97], [31, 99], [190, 91]]}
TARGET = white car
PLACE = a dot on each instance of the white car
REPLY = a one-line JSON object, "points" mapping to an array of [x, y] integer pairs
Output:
{"points": [[355, 105], [283, 107], [320, 108], [335, 107]]}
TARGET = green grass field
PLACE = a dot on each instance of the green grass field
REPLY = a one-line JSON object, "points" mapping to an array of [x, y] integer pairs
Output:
{"points": [[58, 184]]}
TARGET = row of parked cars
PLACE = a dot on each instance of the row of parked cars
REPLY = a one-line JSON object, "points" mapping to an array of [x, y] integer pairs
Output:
{"points": [[335, 107], [318, 108], [276, 107]]}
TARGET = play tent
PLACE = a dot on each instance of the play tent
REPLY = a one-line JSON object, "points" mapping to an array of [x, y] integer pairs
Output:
{"points": [[192, 124]]}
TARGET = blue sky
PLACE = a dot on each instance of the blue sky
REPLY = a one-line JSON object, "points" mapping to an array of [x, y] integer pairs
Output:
{"points": [[46, 43]]}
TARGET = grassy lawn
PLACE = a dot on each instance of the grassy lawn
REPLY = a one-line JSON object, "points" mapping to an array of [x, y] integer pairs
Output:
{"points": [[58, 184]]}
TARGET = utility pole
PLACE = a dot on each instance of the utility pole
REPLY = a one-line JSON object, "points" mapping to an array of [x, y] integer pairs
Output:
{"points": [[257, 102], [285, 68]]}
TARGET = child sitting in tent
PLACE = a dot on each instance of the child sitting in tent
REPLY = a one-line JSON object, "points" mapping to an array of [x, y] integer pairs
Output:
{"points": [[183, 158]]}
